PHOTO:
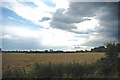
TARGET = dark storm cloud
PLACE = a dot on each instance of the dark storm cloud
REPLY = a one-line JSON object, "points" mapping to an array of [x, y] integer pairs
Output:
{"points": [[75, 14], [105, 12], [119, 22], [108, 25], [66, 17], [44, 19], [61, 18], [109, 21], [63, 21], [85, 9]]}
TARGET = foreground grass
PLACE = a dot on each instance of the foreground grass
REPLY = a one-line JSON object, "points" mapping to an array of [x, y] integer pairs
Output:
{"points": [[63, 70], [52, 70]]}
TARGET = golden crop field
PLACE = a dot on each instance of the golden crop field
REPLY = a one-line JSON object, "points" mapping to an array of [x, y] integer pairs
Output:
{"points": [[23, 60]]}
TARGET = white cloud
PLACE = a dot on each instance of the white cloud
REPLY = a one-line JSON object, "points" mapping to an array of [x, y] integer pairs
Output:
{"points": [[86, 26], [11, 18], [62, 37], [8, 36], [20, 32], [30, 13], [61, 4], [49, 38], [35, 14]]}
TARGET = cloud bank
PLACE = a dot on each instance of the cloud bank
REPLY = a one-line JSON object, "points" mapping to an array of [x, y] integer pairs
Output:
{"points": [[48, 24]]}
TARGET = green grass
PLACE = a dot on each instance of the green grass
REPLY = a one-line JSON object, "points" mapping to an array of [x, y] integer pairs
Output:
{"points": [[61, 70]]}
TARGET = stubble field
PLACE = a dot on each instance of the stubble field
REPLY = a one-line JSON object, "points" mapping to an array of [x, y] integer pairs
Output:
{"points": [[23, 60]]}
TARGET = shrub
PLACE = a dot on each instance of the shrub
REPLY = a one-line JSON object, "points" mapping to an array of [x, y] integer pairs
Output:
{"points": [[112, 50], [110, 64], [15, 73]]}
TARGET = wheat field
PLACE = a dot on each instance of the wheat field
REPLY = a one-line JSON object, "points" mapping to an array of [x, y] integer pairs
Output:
{"points": [[23, 60]]}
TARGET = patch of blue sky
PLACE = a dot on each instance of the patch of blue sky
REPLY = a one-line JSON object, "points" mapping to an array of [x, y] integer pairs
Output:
{"points": [[11, 18], [49, 3], [19, 44], [31, 4], [0, 17]]}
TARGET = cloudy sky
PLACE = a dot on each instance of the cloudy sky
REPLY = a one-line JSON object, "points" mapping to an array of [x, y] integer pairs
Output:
{"points": [[57, 25]]}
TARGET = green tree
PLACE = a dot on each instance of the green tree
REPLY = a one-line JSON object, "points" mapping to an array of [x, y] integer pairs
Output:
{"points": [[0, 50], [112, 50], [110, 64]]}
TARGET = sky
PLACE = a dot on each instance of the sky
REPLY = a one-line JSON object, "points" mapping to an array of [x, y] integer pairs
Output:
{"points": [[57, 25]]}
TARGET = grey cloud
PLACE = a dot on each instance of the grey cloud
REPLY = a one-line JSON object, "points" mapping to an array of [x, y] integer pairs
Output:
{"points": [[119, 35], [75, 14], [109, 21], [105, 12], [44, 19], [94, 43], [108, 25], [62, 25], [83, 9], [77, 47], [65, 20], [84, 32], [61, 16], [119, 23]]}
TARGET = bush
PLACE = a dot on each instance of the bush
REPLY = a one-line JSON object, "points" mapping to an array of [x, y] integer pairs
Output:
{"points": [[111, 61], [47, 70], [112, 50], [15, 73]]}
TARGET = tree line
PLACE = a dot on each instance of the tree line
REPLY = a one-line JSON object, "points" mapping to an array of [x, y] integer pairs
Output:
{"points": [[96, 49]]}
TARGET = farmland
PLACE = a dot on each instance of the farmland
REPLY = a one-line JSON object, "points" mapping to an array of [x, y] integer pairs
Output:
{"points": [[23, 60], [59, 65]]}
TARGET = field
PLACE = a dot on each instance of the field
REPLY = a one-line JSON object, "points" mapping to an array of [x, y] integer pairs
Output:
{"points": [[22, 60], [62, 65]]}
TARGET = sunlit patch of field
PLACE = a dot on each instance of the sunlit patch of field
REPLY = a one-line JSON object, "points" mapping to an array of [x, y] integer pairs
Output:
{"points": [[22, 60]]}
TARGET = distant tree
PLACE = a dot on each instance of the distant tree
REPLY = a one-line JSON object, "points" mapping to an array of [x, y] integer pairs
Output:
{"points": [[81, 51], [99, 49], [46, 51], [86, 50], [0, 50], [51, 50], [118, 47]]}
